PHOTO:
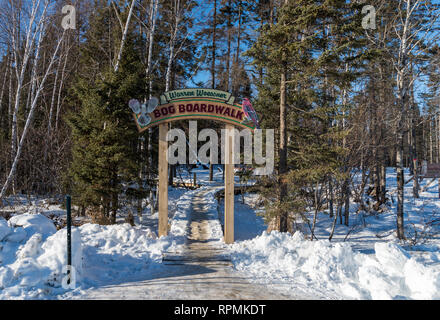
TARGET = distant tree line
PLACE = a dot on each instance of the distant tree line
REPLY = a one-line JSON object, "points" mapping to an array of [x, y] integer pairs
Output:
{"points": [[346, 101]]}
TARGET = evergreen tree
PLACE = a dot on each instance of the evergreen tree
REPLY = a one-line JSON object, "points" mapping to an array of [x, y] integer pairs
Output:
{"points": [[104, 134], [304, 54]]}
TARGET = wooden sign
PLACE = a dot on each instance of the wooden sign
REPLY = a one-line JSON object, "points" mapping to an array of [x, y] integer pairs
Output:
{"points": [[193, 104]]}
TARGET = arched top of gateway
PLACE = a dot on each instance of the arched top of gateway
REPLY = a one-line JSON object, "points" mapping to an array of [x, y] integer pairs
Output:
{"points": [[197, 103]]}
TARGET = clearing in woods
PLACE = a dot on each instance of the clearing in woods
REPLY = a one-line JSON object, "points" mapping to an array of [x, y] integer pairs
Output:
{"points": [[201, 271]]}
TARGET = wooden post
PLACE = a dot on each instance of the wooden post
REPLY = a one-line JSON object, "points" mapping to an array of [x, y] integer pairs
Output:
{"points": [[229, 185], [163, 180], [195, 179]]}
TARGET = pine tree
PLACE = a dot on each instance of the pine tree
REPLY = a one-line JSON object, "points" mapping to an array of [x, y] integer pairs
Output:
{"points": [[305, 54], [104, 135]]}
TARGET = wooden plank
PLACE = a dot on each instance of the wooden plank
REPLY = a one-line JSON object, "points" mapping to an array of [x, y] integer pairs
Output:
{"points": [[229, 185], [163, 180]]}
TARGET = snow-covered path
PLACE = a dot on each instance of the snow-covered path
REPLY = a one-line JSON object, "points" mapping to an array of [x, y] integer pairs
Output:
{"points": [[201, 271]]}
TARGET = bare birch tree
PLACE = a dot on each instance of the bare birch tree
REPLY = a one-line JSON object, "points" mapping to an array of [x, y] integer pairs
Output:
{"points": [[414, 27], [36, 26]]}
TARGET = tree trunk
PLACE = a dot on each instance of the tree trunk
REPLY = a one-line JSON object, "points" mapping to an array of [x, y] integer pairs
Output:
{"points": [[27, 124], [4, 84], [213, 64], [153, 19], [236, 78], [347, 202], [124, 36], [283, 227], [400, 187], [228, 53], [214, 49], [57, 116], [330, 198], [383, 183]]}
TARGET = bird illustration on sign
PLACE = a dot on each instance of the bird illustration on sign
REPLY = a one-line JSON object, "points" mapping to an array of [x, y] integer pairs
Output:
{"points": [[250, 113], [142, 110]]}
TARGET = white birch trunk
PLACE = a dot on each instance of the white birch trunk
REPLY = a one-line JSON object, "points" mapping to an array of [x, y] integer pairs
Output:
{"points": [[124, 36], [4, 84], [52, 103], [20, 69], [172, 45], [10, 96], [153, 18], [60, 90], [28, 123]]}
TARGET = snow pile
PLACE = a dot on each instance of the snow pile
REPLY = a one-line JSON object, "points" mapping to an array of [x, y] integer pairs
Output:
{"points": [[391, 273], [5, 230], [33, 255], [33, 223], [120, 241], [118, 253]]}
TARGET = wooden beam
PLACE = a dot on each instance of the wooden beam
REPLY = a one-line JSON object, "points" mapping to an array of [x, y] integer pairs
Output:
{"points": [[163, 180], [229, 185]]}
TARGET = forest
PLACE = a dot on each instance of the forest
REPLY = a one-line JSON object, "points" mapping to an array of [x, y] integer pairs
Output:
{"points": [[351, 88]]}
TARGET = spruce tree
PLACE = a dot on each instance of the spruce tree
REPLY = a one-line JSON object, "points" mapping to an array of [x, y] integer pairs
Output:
{"points": [[304, 54], [104, 134]]}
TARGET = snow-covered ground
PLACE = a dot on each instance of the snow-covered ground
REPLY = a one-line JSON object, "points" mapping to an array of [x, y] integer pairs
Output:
{"points": [[363, 260], [33, 252], [369, 263]]}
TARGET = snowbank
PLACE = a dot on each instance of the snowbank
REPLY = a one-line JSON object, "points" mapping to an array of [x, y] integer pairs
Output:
{"points": [[33, 255], [391, 273], [36, 268], [5, 230], [33, 223]]}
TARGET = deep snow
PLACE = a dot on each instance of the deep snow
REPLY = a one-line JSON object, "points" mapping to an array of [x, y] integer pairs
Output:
{"points": [[33, 253]]}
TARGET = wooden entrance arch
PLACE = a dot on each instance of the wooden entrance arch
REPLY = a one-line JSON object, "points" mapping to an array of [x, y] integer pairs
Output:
{"points": [[190, 104]]}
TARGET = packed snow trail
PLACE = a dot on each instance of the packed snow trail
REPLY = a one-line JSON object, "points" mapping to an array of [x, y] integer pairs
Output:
{"points": [[201, 271]]}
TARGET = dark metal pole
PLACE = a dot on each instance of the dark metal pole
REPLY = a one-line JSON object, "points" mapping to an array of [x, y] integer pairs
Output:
{"points": [[69, 235]]}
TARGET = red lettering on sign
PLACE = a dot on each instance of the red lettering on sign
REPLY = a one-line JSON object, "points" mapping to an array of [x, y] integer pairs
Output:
{"points": [[156, 113], [172, 110], [203, 107], [210, 108], [239, 115], [227, 112], [219, 109], [189, 107], [196, 108], [164, 111], [181, 108]]}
